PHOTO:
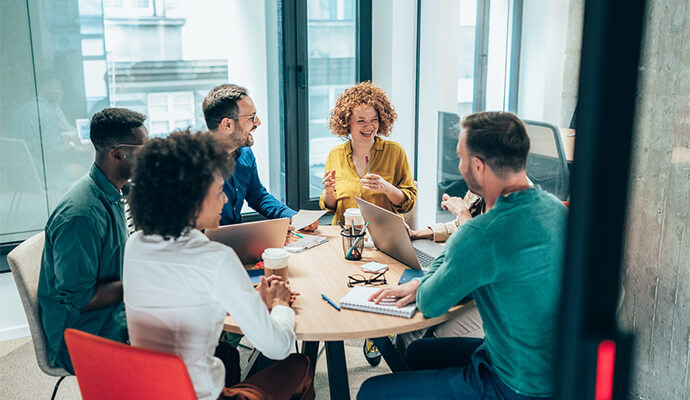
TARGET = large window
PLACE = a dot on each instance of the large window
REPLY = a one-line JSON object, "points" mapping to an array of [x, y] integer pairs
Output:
{"points": [[331, 51], [67, 59], [64, 60]]}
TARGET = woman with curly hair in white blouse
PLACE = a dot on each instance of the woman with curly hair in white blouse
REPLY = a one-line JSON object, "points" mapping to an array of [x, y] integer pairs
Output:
{"points": [[179, 286]]}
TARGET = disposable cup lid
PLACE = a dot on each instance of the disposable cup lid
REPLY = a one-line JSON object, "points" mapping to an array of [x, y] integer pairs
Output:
{"points": [[274, 253]]}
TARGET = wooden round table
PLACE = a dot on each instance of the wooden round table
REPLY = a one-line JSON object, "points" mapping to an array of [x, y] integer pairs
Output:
{"points": [[324, 270]]}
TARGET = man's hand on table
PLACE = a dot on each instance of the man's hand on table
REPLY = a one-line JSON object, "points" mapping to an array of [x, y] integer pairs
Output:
{"points": [[405, 293], [275, 292]]}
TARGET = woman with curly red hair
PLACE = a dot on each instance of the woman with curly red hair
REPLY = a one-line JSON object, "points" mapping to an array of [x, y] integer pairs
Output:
{"points": [[366, 165]]}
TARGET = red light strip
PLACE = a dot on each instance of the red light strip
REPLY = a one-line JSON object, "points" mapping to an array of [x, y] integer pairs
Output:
{"points": [[606, 360]]}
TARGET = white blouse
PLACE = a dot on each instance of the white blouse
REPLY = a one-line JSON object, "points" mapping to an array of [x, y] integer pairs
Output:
{"points": [[176, 295]]}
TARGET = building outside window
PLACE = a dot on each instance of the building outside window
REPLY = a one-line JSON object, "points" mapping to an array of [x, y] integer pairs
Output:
{"points": [[68, 59], [331, 51]]}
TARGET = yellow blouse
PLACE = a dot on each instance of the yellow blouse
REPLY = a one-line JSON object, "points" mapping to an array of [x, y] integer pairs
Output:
{"points": [[388, 160]]}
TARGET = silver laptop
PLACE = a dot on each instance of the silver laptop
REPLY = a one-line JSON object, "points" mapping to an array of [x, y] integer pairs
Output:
{"points": [[390, 236], [250, 239]]}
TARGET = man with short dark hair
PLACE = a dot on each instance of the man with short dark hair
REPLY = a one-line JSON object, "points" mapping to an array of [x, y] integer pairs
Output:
{"points": [[510, 260], [229, 111], [80, 284]]}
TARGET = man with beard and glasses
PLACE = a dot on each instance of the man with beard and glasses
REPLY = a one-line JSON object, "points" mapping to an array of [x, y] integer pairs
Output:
{"points": [[510, 260], [230, 112]]}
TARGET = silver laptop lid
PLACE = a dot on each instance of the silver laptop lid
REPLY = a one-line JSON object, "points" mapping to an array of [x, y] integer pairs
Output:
{"points": [[250, 239], [388, 231]]}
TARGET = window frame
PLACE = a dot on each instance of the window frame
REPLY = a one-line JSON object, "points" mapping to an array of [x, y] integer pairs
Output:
{"points": [[296, 91]]}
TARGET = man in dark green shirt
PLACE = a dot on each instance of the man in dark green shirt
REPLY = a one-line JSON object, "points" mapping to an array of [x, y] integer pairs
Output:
{"points": [[80, 284], [510, 260]]}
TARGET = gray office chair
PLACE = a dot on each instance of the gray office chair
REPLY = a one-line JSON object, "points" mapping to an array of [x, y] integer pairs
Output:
{"points": [[25, 263], [547, 165]]}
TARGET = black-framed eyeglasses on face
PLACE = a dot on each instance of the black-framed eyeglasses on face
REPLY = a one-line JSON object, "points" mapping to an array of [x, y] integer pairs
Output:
{"points": [[373, 279], [252, 117], [128, 145]]}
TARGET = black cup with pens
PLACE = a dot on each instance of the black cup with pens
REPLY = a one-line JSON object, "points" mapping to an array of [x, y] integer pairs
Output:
{"points": [[353, 241]]}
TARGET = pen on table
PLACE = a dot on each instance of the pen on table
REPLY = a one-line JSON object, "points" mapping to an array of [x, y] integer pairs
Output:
{"points": [[330, 301], [297, 234]]}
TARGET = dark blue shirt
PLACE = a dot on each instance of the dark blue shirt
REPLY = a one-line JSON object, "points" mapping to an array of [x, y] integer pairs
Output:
{"points": [[246, 185]]}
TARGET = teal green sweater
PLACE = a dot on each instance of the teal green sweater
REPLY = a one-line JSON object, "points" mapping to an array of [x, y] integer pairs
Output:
{"points": [[510, 260]]}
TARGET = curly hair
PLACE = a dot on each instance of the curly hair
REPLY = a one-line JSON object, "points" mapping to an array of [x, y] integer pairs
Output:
{"points": [[363, 93], [171, 178], [112, 126]]}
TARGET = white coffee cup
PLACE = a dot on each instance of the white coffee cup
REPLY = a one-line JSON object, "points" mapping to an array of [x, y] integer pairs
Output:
{"points": [[275, 262], [353, 217]]}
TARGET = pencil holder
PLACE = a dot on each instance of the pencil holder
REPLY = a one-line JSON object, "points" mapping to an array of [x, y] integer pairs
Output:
{"points": [[353, 243]]}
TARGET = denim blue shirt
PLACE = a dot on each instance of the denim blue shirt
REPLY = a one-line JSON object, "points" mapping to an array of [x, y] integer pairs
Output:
{"points": [[246, 185]]}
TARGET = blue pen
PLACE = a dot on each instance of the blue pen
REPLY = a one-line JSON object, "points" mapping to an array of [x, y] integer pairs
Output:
{"points": [[330, 302]]}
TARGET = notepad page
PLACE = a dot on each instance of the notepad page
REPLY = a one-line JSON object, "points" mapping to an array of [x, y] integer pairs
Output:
{"points": [[305, 243], [358, 299]]}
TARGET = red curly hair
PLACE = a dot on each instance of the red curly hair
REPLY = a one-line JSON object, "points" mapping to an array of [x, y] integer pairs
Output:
{"points": [[363, 93]]}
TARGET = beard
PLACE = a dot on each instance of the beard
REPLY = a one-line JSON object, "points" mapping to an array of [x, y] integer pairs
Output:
{"points": [[246, 141], [471, 182]]}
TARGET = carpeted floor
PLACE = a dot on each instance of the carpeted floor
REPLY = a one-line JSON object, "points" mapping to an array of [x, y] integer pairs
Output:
{"points": [[21, 379]]}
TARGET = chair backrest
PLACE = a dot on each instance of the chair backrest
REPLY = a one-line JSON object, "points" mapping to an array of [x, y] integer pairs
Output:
{"points": [[25, 263], [109, 370], [547, 165]]}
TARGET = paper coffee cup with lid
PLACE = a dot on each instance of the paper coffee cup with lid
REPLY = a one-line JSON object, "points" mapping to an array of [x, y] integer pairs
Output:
{"points": [[275, 262], [353, 217]]}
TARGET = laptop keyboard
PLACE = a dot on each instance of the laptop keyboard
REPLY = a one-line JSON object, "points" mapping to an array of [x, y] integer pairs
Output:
{"points": [[424, 259]]}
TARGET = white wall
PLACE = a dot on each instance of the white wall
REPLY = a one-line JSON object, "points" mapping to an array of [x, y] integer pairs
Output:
{"points": [[544, 33], [438, 92]]}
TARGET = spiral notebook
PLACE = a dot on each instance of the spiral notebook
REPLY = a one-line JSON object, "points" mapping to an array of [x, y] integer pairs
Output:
{"points": [[358, 299]]}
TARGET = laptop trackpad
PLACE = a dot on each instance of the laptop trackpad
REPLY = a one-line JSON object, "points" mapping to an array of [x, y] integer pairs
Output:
{"points": [[428, 246]]}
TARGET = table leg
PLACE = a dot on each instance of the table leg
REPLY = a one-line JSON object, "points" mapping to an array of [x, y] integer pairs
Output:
{"points": [[337, 370], [311, 350], [390, 354]]}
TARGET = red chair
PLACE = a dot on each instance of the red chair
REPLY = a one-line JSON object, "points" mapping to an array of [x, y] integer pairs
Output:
{"points": [[108, 370]]}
